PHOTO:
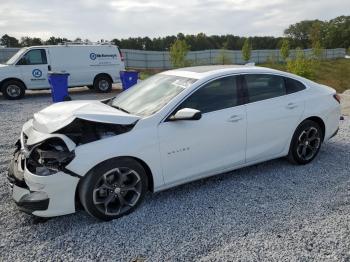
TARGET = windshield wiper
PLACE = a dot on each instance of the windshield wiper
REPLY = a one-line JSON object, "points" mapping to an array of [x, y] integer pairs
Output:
{"points": [[121, 109]]}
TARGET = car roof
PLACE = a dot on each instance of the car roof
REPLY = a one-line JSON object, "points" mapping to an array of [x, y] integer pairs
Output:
{"points": [[199, 72]]}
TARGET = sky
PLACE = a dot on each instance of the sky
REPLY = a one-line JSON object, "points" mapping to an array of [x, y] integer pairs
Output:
{"points": [[108, 19]]}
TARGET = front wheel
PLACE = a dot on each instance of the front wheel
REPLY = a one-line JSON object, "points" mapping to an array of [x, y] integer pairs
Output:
{"points": [[113, 189], [306, 143], [13, 90]]}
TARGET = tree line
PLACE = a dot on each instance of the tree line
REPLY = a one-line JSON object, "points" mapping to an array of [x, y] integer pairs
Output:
{"points": [[334, 33]]}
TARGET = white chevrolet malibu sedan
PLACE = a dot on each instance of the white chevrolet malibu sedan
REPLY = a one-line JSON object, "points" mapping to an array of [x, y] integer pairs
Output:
{"points": [[175, 127]]}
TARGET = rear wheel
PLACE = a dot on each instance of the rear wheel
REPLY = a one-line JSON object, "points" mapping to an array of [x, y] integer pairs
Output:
{"points": [[306, 143], [13, 89], [103, 84], [113, 189]]}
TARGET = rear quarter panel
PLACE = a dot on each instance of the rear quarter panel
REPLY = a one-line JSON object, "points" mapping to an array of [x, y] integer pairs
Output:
{"points": [[319, 102]]}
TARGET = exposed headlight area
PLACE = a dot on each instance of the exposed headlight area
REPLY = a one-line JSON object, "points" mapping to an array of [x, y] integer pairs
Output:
{"points": [[49, 157], [82, 131]]}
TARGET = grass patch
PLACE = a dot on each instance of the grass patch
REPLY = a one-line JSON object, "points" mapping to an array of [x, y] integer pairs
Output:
{"points": [[333, 73]]}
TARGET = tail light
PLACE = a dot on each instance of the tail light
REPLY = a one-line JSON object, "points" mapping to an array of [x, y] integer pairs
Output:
{"points": [[121, 55], [337, 97]]}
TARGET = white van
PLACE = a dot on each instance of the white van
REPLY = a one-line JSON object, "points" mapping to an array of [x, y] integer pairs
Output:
{"points": [[96, 66]]}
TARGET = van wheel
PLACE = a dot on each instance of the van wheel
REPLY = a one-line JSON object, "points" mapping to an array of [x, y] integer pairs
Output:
{"points": [[13, 89], [103, 84]]}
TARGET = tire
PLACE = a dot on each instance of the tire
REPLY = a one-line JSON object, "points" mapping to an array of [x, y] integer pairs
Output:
{"points": [[13, 90], [306, 143], [113, 188], [103, 84]]}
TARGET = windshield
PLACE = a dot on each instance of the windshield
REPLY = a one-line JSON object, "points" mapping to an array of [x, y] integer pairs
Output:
{"points": [[14, 58], [151, 95]]}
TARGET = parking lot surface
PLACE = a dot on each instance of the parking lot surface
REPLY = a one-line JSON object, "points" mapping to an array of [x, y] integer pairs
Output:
{"points": [[270, 211]]}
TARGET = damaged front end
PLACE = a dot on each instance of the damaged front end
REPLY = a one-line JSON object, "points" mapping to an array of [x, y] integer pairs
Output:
{"points": [[49, 157], [82, 131], [34, 172], [39, 180]]}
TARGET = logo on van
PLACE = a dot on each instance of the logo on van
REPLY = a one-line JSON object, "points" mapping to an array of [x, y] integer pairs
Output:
{"points": [[93, 56], [37, 73]]}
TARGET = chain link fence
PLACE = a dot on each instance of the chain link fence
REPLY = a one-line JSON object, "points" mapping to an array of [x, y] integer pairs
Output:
{"points": [[141, 59]]}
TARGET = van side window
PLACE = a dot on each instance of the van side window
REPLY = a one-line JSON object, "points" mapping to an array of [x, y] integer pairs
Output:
{"points": [[293, 86], [263, 86], [34, 57]]}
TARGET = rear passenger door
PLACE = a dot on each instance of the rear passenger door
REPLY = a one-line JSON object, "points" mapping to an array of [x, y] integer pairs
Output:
{"points": [[274, 109], [34, 68]]}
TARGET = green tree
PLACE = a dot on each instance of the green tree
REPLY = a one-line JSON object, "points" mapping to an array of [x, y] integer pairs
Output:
{"points": [[284, 51], [246, 50], [9, 41], [56, 40], [178, 52], [223, 58], [300, 33], [337, 33], [315, 37], [29, 41], [301, 65]]}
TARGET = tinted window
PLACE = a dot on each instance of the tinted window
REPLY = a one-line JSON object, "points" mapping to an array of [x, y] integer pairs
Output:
{"points": [[34, 57], [216, 95], [293, 86], [261, 87]]}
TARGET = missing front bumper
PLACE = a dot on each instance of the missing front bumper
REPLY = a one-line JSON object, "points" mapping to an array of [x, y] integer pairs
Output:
{"points": [[43, 196]]}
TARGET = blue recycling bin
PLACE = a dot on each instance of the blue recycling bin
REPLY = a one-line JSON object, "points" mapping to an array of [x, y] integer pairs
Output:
{"points": [[128, 78], [59, 86]]}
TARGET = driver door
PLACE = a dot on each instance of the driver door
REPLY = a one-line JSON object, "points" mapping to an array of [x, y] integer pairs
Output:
{"points": [[196, 148], [34, 68]]}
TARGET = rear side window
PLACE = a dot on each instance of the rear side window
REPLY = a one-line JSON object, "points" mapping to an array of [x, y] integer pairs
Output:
{"points": [[263, 86], [216, 95], [293, 86], [34, 57]]}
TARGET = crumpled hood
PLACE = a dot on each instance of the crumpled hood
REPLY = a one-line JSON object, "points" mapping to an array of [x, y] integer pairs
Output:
{"points": [[57, 116]]}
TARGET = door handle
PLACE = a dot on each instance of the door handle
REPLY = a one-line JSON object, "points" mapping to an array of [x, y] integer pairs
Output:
{"points": [[235, 118], [291, 106]]}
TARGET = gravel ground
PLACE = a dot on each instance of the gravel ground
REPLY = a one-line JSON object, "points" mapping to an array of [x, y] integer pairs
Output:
{"points": [[270, 211]]}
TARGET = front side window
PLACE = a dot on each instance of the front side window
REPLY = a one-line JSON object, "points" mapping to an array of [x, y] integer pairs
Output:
{"points": [[263, 86], [216, 95], [151, 95], [34, 57]]}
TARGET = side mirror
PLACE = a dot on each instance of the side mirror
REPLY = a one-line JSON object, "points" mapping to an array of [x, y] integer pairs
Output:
{"points": [[186, 114]]}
